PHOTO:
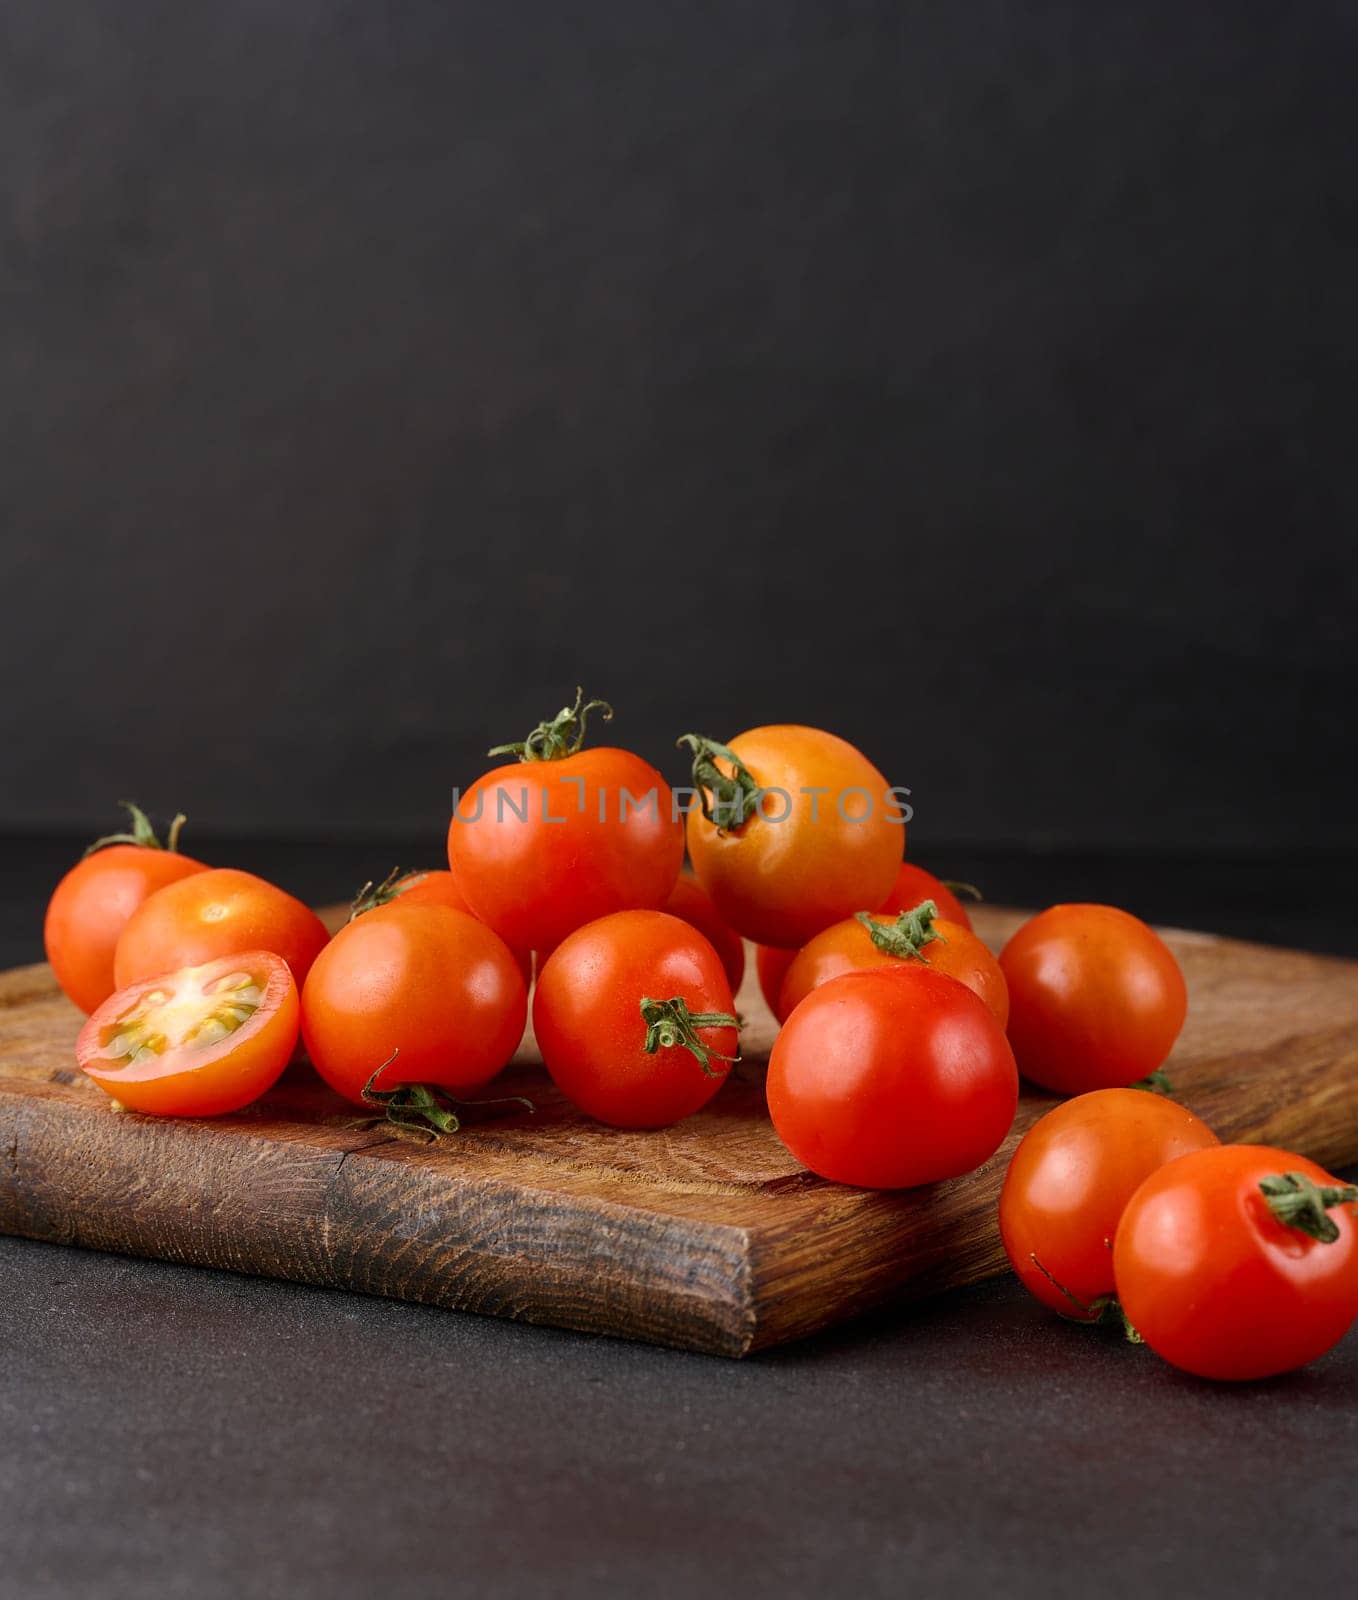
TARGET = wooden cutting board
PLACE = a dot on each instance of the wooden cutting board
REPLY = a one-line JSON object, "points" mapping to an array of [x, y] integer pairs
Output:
{"points": [[706, 1236]]}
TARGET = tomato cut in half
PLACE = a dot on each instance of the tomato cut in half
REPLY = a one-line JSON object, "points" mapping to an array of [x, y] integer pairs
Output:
{"points": [[198, 1042]]}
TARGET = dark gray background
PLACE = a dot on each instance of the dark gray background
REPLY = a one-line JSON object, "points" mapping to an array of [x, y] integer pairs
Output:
{"points": [[976, 380]]}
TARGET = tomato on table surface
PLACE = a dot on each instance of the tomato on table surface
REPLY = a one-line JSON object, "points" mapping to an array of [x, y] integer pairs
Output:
{"points": [[217, 913], [90, 907], [691, 902], [633, 1017], [887, 1080], [1239, 1262], [1096, 998], [880, 940], [429, 995], [914, 885], [797, 830], [564, 835], [198, 1042], [1069, 1182], [424, 887]]}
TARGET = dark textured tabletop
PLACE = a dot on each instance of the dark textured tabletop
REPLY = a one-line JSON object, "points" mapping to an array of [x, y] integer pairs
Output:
{"points": [[168, 1431]]}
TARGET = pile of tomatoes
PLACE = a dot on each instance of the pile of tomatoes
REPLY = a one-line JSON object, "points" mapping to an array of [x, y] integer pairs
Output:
{"points": [[901, 1041]]}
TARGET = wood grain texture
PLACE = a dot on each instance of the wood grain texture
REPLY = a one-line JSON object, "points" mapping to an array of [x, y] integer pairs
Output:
{"points": [[706, 1236]]}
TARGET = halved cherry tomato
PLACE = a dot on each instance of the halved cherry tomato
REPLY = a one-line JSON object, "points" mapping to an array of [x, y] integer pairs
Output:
{"points": [[771, 963], [564, 835], [194, 1043], [217, 913], [691, 902], [633, 1017], [1069, 1182], [90, 906], [434, 994], [891, 941], [887, 1080], [435, 887], [798, 830], [1239, 1262], [1096, 999], [914, 885]]}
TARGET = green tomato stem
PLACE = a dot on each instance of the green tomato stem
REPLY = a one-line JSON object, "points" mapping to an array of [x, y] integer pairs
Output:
{"points": [[670, 1023], [1299, 1203], [562, 736], [907, 936], [141, 833], [735, 795]]}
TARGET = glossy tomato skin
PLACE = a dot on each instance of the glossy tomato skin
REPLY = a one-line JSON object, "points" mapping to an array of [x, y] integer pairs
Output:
{"points": [[90, 907], [914, 885], [848, 947], [771, 963], [1070, 1180], [587, 1018], [205, 1066], [432, 986], [1096, 999], [535, 880], [692, 904], [887, 1080], [431, 888], [1215, 1284], [439, 888], [780, 882], [217, 913]]}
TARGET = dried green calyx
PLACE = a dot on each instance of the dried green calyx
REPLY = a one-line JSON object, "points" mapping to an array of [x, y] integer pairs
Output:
{"points": [[1298, 1202], [670, 1023], [728, 799], [562, 736], [908, 935], [426, 1108], [141, 832]]}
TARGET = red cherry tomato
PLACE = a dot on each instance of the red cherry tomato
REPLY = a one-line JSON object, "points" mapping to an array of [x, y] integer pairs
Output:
{"points": [[220, 912], [195, 1043], [887, 1080], [425, 888], [821, 835], [564, 836], [1217, 1282], [90, 906], [618, 1015], [431, 991], [1070, 1180], [914, 885], [691, 902], [771, 963], [1096, 1000], [914, 935]]}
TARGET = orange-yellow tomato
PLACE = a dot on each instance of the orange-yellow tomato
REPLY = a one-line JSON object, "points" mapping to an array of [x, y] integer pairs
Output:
{"points": [[217, 913], [822, 838], [848, 947]]}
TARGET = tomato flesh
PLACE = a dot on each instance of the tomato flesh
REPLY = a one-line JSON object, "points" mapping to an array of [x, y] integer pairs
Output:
{"points": [[197, 1042]]}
